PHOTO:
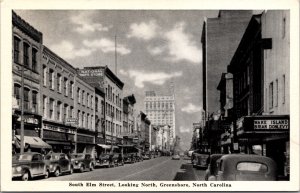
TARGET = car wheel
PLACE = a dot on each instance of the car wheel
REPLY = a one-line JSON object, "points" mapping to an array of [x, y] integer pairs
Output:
{"points": [[25, 176], [81, 169], [92, 167], [57, 172], [47, 174]]}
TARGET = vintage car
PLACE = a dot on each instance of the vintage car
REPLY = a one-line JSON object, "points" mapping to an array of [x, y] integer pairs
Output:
{"points": [[175, 157], [146, 156], [28, 165], [212, 168], [58, 163], [104, 160], [242, 167], [82, 162], [129, 158], [201, 160]]}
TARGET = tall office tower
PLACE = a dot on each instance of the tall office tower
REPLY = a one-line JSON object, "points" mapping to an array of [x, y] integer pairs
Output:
{"points": [[160, 110]]}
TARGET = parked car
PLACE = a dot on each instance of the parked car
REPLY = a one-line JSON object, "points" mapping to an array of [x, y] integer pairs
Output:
{"points": [[28, 165], [83, 162], [129, 158], [146, 156], [117, 159], [242, 167], [104, 159], [201, 160], [212, 169], [58, 163], [190, 153], [175, 157]]}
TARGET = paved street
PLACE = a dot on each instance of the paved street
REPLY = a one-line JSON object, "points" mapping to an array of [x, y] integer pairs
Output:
{"points": [[158, 169]]}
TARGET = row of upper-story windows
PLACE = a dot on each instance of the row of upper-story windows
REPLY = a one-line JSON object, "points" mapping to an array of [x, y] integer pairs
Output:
{"points": [[150, 105], [30, 98], [85, 98], [111, 96], [29, 56], [113, 112], [113, 128], [277, 92], [58, 82], [85, 120], [56, 110]]}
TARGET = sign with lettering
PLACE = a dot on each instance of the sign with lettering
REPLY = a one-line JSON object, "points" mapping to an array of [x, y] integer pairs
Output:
{"points": [[30, 119], [91, 72], [72, 121], [271, 124]]}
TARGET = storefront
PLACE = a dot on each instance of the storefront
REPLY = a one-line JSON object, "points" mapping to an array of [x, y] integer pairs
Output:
{"points": [[59, 136], [85, 141], [266, 135]]}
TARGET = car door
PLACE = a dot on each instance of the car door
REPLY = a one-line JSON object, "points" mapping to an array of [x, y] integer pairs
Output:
{"points": [[36, 165], [61, 162]]}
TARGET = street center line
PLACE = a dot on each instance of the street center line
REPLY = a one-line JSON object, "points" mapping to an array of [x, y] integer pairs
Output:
{"points": [[142, 170]]}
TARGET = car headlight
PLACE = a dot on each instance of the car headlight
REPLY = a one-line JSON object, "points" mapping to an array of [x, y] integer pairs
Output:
{"points": [[51, 166], [76, 162], [19, 168]]}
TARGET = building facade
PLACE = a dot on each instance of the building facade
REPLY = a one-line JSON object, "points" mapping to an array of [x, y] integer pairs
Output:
{"points": [[26, 65], [128, 119], [160, 110], [220, 38]]}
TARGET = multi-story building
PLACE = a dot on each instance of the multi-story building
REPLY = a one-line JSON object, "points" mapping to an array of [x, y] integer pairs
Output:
{"points": [[160, 110], [220, 38], [113, 89], [26, 65], [128, 119], [57, 102]]}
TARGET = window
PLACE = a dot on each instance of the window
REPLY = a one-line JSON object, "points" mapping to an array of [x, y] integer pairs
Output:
{"points": [[51, 107], [58, 115], [44, 75], [276, 97], [66, 86], [283, 27], [71, 112], [16, 50], [26, 55], [34, 101], [283, 89], [66, 108], [252, 166], [72, 89], [51, 79], [83, 98], [34, 60], [17, 91], [83, 119], [91, 101], [96, 104], [88, 120], [88, 99], [44, 106], [79, 118], [78, 95], [26, 98], [59, 82], [271, 95]]}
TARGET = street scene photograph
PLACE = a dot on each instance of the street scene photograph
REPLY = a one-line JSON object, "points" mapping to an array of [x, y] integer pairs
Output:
{"points": [[150, 95]]}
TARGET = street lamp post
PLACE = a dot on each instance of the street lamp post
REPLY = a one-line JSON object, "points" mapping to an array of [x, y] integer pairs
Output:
{"points": [[22, 110]]}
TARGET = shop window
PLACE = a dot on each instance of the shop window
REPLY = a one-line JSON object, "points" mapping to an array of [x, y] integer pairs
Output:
{"points": [[34, 60], [34, 101], [26, 55], [17, 50]]}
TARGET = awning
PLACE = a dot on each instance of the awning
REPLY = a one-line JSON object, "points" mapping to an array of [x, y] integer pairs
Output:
{"points": [[107, 146], [34, 142], [58, 142]]}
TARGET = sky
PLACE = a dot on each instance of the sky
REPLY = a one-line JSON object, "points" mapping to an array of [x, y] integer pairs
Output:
{"points": [[154, 48]]}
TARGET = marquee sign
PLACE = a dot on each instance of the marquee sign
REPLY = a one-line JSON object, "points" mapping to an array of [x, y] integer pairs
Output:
{"points": [[271, 124], [91, 72]]}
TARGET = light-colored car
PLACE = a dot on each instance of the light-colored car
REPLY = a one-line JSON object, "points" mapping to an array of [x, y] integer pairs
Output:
{"points": [[175, 157], [243, 167], [28, 165], [59, 163]]}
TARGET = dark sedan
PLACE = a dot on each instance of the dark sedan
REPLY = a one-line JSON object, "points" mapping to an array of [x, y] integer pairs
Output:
{"points": [[83, 162], [58, 163]]}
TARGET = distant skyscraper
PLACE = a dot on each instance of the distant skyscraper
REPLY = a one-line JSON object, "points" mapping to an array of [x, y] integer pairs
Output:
{"points": [[160, 110]]}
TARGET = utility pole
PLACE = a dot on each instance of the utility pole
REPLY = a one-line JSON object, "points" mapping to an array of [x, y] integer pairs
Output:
{"points": [[22, 110], [116, 63]]}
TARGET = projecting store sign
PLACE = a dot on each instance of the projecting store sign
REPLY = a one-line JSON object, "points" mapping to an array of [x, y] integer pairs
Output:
{"points": [[271, 124]]}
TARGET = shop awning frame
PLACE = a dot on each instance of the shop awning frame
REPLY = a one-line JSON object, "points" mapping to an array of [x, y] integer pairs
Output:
{"points": [[34, 142]]}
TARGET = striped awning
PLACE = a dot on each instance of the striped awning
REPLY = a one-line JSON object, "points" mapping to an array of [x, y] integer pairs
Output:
{"points": [[34, 142]]}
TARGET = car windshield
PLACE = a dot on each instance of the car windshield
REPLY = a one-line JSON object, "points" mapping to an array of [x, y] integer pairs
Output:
{"points": [[77, 156], [251, 166], [25, 157], [51, 157]]}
